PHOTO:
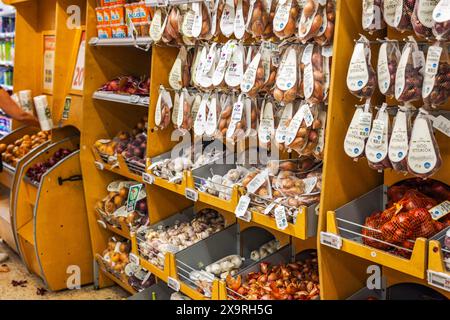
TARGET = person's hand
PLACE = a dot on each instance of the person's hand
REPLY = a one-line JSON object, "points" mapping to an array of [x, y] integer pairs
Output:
{"points": [[30, 120]]}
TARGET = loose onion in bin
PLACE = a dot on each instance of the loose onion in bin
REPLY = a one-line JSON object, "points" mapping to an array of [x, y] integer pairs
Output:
{"points": [[409, 77], [287, 112], [441, 20], [372, 16], [312, 19], [436, 82], [421, 19], [388, 59], [162, 109], [286, 87], [285, 18], [361, 77]]}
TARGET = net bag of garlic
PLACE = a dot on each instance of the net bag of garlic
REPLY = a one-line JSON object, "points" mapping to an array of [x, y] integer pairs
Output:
{"points": [[388, 59], [312, 19], [285, 18], [372, 16], [441, 20], [162, 109], [358, 132], [436, 82], [399, 141], [377, 143], [409, 76], [361, 77], [286, 83], [424, 157], [421, 19]]}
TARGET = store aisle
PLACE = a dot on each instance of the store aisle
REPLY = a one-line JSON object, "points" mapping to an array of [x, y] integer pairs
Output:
{"points": [[29, 290]]}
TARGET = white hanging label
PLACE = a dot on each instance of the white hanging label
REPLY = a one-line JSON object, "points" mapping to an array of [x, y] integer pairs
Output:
{"points": [[354, 142], [439, 279], [358, 74], [241, 208], [398, 145], [422, 155], [431, 69], [280, 134], [280, 217], [440, 210], [441, 12]]}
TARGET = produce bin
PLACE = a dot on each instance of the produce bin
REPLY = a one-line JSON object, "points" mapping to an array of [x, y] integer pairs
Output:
{"points": [[347, 223], [158, 291], [230, 241]]}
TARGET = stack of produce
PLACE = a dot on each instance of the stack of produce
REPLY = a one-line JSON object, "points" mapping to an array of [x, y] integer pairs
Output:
{"points": [[291, 281], [13, 152], [116, 256], [36, 172], [158, 241], [406, 219]]}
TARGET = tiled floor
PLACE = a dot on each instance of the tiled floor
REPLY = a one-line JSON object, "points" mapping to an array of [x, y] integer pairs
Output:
{"points": [[19, 272]]}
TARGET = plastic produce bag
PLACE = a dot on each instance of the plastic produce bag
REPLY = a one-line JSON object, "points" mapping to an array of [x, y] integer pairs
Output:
{"points": [[235, 69], [286, 80], [388, 59], [227, 102], [285, 18], [389, 7], [200, 116], [226, 52], [201, 25], [158, 24], [209, 58], [424, 158], [287, 112], [313, 134], [297, 133], [326, 31], [212, 117], [240, 19], [402, 15], [436, 82], [312, 19], [377, 143], [421, 19], [258, 20], [320, 128], [162, 109], [441, 20], [227, 18], [181, 115], [316, 67], [180, 75], [399, 142], [358, 131], [172, 34], [267, 123], [361, 77], [408, 79], [372, 16]]}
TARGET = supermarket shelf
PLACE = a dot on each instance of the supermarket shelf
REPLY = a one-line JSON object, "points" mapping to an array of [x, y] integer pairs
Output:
{"points": [[124, 231], [113, 278], [127, 42], [351, 238], [119, 168], [122, 98]]}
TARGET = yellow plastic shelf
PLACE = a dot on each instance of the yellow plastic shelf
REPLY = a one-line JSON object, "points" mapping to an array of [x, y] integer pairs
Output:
{"points": [[414, 266], [27, 232], [124, 285], [123, 231], [177, 188], [120, 168], [436, 263]]}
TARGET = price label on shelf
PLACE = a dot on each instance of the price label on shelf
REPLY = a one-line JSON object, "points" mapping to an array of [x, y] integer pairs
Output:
{"points": [[133, 258], [241, 208], [331, 240], [280, 218], [442, 124], [439, 279], [99, 165], [133, 195], [134, 99], [148, 178], [191, 194], [440, 210], [173, 284]]}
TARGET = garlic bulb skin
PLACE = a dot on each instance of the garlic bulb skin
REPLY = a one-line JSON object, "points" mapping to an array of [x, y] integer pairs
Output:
{"points": [[254, 255]]}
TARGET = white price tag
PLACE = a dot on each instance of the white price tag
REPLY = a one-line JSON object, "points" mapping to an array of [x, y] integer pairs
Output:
{"points": [[257, 181], [440, 210], [331, 240], [280, 218], [191, 194], [377, 132], [241, 208], [439, 279], [99, 165], [365, 122], [173, 284], [148, 178], [133, 258], [442, 124], [272, 205]]}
